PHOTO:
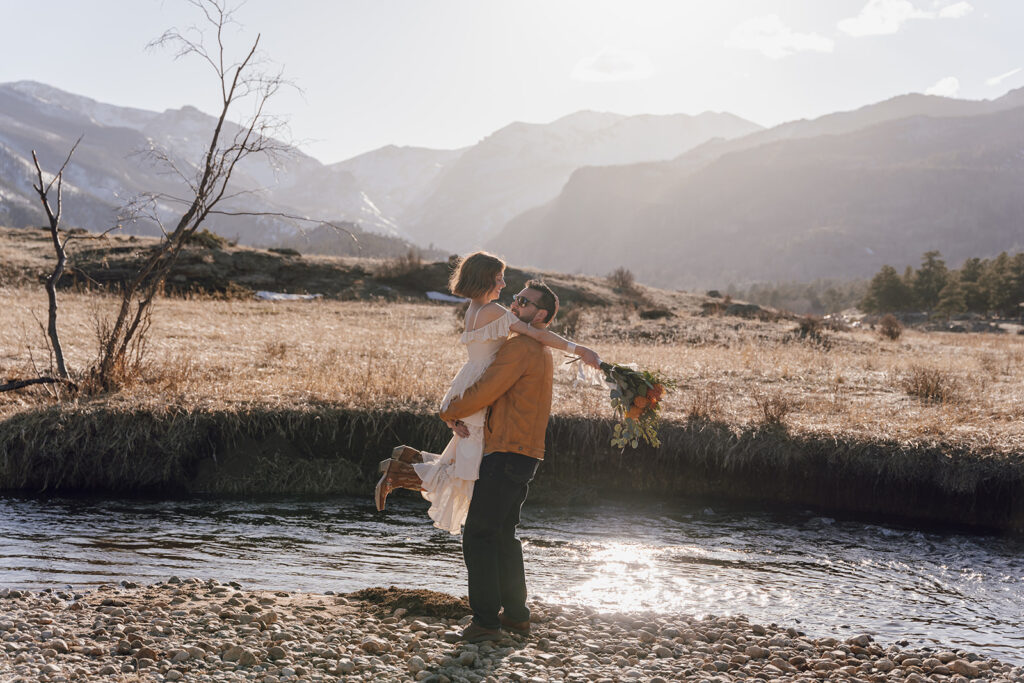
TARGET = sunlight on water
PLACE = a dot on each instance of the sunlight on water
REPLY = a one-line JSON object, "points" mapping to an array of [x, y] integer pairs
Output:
{"points": [[822, 575], [622, 578]]}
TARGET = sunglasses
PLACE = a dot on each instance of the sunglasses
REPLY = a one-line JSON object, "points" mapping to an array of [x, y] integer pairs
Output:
{"points": [[522, 300]]}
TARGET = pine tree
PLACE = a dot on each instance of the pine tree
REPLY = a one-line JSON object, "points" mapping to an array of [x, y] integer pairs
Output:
{"points": [[929, 279], [998, 284], [887, 292], [970, 275], [951, 299]]}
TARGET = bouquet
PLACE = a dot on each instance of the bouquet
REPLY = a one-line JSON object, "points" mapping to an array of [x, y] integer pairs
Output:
{"points": [[635, 396]]}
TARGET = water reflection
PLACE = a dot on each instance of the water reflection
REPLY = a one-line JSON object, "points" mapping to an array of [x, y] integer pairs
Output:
{"points": [[823, 574]]}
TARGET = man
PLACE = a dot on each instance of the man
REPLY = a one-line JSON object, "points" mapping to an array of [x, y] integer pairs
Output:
{"points": [[517, 387]]}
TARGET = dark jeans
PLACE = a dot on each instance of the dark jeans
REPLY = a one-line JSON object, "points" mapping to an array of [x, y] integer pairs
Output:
{"points": [[493, 554]]}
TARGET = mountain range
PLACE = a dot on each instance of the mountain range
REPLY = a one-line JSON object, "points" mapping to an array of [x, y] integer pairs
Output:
{"points": [[682, 201], [835, 197]]}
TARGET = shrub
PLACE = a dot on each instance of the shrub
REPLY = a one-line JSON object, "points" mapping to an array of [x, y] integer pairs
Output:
{"points": [[394, 268], [656, 313], [622, 279], [568, 321], [460, 316], [207, 240], [275, 350], [931, 385], [811, 328], [890, 327], [706, 405], [774, 409]]}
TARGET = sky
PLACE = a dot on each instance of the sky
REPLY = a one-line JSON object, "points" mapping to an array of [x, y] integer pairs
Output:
{"points": [[446, 73]]}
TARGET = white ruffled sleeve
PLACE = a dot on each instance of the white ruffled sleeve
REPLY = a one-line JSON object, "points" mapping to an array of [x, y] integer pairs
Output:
{"points": [[498, 328]]}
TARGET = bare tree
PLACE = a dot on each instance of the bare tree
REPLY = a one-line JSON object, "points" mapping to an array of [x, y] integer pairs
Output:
{"points": [[53, 214], [242, 81]]}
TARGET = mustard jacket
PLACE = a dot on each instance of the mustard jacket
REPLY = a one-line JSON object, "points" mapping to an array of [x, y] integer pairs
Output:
{"points": [[517, 387]]}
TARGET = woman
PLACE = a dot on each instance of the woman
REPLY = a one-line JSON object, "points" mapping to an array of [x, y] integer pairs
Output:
{"points": [[446, 479]]}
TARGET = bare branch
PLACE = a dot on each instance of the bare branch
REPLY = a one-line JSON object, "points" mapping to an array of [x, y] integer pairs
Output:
{"points": [[22, 383], [66, 160]]}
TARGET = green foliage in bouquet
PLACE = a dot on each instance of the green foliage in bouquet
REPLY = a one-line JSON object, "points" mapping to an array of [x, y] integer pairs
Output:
{"points": [[636, 397]]}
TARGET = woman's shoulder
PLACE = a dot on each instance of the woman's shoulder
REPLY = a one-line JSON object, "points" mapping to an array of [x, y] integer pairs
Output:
{"points": [[489, 313]]}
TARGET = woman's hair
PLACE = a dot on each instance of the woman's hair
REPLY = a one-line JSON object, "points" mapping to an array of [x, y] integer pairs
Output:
{"points": [[475, 274], [548, 298]]}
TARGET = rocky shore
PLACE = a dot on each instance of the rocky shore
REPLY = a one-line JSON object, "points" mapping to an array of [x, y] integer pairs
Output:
{"points": [[192, 630]]}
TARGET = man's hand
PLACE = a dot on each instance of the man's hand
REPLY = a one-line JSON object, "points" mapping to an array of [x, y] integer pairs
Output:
{"points": [[459, 428]]}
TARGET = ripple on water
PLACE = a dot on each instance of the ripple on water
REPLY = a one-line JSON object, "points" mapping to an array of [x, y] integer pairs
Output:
{"points": [[826, 575]]}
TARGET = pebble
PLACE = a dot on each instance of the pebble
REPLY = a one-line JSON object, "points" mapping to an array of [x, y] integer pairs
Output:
{"points": [[214, 632]]}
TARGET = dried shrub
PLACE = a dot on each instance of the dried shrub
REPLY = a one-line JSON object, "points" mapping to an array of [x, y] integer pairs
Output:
{"points": [[812, 329], [656, 313], [568, 321], [890, 327], [128, 367], [931, 385], [460, 316], [774, 408], [275, 350], [622, 279], [173, 375], [207, 240], [996, 364], [400, 266], [705, 404]]}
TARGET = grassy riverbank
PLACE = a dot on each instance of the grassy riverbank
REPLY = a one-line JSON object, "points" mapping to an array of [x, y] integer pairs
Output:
{"points": [[196, 630], [242, 397]]}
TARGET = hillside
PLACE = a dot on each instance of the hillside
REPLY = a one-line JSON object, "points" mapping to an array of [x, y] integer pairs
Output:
{"points": [[451, 198], [215, 268], [827, 206], [525, 165]]}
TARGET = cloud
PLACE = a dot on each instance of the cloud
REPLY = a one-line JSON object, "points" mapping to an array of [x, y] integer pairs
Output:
{"points": [[881, 17], [945, 87], [772, 38], [612, 64], [957, 10], [885, 17], [996, 80]]}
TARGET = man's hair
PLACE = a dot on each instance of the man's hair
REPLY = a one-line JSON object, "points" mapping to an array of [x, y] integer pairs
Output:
{"points": [[548, 298], [475, 274]]}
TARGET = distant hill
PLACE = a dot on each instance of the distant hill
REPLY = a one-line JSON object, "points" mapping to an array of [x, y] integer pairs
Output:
{"points": [[111, 165], [452, 198], [398, 178], [524, 165], [836, 197]]}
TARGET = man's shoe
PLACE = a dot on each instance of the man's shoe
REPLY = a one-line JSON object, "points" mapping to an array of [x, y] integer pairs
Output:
{"points": [[474, 633], [520, 627]]}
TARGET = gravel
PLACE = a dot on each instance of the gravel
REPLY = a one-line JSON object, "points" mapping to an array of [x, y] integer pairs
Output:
{"points": [[192, 630]]}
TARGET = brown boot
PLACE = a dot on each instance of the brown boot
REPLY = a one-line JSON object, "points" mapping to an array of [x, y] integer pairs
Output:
{"points": [[402, 454], [404, 476], [407, 454], [397, 475]]}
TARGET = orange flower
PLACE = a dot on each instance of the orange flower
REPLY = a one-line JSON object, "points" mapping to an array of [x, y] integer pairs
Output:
{"points": [[634, 412], [641, 402], [656, 392]]}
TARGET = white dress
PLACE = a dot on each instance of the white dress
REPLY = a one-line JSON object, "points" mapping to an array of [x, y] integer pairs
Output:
{"points": [[448, 477]]}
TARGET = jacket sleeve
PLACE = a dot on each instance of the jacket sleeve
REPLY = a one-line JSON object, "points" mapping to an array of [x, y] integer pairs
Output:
{"points": [[508, 366]]}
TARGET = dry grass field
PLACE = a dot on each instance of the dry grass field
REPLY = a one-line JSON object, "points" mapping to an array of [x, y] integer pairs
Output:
{"points": [[963, 390]]}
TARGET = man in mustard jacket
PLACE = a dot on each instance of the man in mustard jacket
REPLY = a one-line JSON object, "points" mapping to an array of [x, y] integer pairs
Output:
{"points": [[517, 387]]}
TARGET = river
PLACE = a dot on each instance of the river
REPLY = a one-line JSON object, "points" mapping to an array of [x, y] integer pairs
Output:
{"points": [[822, 575]]}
